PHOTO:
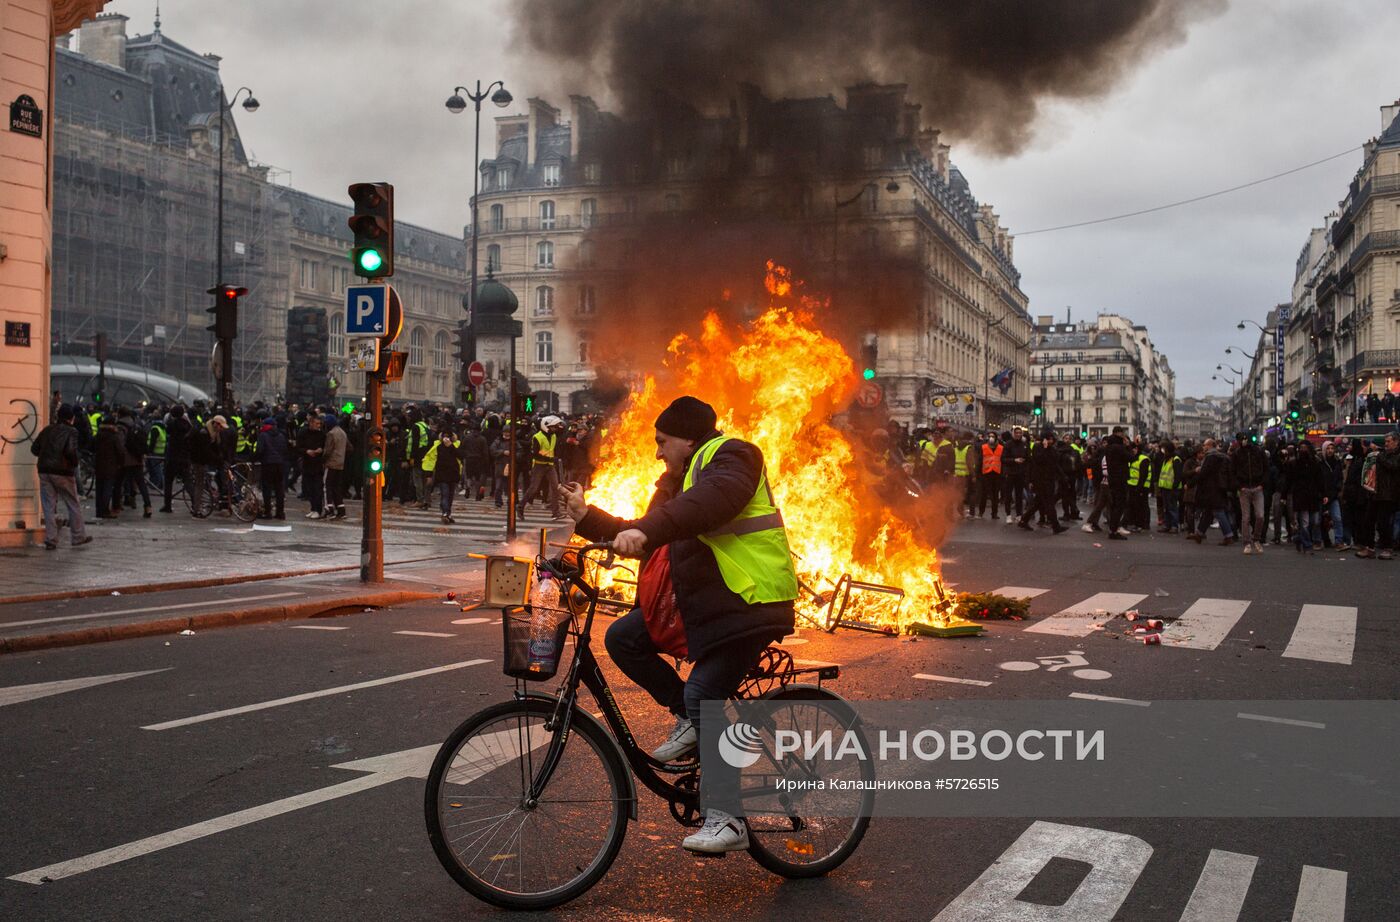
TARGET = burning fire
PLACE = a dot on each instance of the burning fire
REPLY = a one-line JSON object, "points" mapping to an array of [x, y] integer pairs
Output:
{"points": [[776, 382]]}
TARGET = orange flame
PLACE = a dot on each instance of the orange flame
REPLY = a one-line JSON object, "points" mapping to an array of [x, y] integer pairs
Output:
{"points": [[777, 381]]}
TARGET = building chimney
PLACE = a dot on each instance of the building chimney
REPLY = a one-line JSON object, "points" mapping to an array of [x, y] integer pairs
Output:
{"points": [[104, 39], [1388, 114], [584, 118], [542, 116], [65, 41]]}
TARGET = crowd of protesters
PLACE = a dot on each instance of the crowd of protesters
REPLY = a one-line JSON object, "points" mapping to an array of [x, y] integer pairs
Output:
{"points": [[433, 452], [1340, 494]]}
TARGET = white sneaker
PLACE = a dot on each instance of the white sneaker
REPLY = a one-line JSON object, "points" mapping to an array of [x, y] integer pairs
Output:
{"points": [[1258, 548], [1124, 532], [1248, 548], [721, 833], [680, 742], [1086, 527], [1009, 520], [313, 515]]}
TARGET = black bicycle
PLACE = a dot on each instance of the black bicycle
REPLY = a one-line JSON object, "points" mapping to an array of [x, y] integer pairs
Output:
{"points": [[528, 801]]}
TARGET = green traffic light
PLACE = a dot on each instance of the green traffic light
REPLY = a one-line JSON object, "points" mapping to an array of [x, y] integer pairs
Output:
{"points": [[348, 407], [375, 466], [868, 374], [370, 260]]}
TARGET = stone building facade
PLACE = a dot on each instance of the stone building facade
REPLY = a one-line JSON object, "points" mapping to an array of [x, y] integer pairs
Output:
{"points": [[604, 227], [1094, 375]]}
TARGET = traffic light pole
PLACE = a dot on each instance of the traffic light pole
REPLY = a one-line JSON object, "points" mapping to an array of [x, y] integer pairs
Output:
{"points": [[372, 534], [510, 462]]}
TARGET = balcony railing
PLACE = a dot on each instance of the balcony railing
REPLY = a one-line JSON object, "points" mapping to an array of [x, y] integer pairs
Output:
{"points": [[1376, 240]]}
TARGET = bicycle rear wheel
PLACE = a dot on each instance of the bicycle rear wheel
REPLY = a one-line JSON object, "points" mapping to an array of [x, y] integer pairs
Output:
{"points": [[496, 844], [817, 833]]}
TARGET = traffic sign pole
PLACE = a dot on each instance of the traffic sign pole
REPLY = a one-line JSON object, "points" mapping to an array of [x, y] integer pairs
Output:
{"points": [[371, 531]]}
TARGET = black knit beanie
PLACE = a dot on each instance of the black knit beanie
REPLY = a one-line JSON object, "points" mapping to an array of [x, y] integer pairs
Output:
{"points": [[687, 418]]}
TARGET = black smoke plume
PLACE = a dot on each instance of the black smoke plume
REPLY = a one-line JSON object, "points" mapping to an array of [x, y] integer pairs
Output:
{"points": [[981, 68]]}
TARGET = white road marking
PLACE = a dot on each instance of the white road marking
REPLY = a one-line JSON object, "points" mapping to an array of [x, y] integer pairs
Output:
{"points": [[1109, 698], [473, 621], [953, 679], [1281, 720], [1116, 860], [1205, 624], [1322, 896], [1221, 888], [293, 699], [1088, 616], [424, 634], [319, 627], [138, 611], [17, 693], [1325, 633], [1019, 592], [486, 753]]}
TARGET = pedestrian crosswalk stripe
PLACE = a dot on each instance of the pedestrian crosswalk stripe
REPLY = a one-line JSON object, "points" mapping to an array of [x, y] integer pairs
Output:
{"points": [[1205, 624], [1019, 592], [1087, 616], [1322, 895], [1325, 633], [1221, 888]]}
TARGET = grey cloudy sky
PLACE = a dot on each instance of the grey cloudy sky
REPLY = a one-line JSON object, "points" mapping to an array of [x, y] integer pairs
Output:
{"points": [[1262, 87]]}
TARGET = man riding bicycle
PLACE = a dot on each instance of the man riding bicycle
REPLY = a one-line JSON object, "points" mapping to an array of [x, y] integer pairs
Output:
{"points": [[732, 572]]}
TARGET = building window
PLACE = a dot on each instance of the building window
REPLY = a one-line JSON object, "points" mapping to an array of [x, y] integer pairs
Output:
{"points": [[547, 215], [1098, 414], [544, 347], [304, 277], [1077, 372], [416, 344], [1078, 394], [1122, 414], [544, 254], [872, 199], [498, 217], [1098, 373], [592, 172], [337, 341], [1098, 393], [503, 178], [1059, 414], [1059, 374], [675, 167], [493, 257], [585, 348], [440, 341], [1123, 392], [588, 212], [587, 299], [672, 202], [551, 174], [1059, 393], [544, 301], [1077, 415], [629, 208], [587, 254]]}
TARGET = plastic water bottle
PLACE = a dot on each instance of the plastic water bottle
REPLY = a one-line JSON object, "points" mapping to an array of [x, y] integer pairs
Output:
{"points": [[543, 623]]}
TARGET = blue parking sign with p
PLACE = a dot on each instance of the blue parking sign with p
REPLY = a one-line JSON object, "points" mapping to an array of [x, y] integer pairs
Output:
{"points": [[366, 309]]}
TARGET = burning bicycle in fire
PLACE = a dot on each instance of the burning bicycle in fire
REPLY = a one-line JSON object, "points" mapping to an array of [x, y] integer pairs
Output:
{"points": [[528, 801]]}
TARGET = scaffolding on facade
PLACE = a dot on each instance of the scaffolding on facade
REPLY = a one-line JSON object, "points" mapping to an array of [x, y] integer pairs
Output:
{"points": [[134, 246]]}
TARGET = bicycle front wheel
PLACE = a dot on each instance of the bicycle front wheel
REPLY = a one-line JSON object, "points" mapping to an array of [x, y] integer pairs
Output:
{"points": [[497, 843]]}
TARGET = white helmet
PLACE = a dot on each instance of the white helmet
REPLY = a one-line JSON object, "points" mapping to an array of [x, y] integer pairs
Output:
{"points": [[549, 422]]}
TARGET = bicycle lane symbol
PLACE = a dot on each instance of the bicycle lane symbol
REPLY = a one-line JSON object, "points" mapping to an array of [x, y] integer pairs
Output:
{"points": [[1073, 660]]}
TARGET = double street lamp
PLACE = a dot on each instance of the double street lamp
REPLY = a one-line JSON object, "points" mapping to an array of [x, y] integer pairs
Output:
{"points": [[250, 104], [499, 95]]}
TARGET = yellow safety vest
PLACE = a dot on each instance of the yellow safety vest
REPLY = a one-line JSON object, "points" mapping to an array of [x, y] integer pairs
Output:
{"points": [[1135, 472], [159, 447], [1166, 478], [751, 550], [546, 445], [94, 420], [242, 445], [960, 461]]}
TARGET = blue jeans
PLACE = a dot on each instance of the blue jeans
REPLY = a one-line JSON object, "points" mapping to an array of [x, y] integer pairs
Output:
{"points": [[1171, 505], [1307, 524], [1221, 516], [155, 469], [1339, 529], [445, 494]]}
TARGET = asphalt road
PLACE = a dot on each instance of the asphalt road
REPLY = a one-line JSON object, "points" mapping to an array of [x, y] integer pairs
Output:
{"points": [[90, 769]]}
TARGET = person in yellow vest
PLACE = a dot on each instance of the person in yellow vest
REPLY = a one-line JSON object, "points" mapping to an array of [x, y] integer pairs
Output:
{"points": [[544, 466], [733, 575], [442, 468], [965, 472], [1139, 486], [989, 485]]}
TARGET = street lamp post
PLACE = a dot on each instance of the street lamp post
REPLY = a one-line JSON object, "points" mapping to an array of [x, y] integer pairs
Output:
{"points": [[226, 347], [1232, 382], [456, 104]]}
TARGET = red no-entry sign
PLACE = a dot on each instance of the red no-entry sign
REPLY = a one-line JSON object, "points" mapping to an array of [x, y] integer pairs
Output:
{"points": [[476, 374], [870, 395]]}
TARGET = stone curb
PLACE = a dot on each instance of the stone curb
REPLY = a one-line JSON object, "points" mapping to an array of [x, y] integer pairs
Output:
{"points": [[210, 620]]}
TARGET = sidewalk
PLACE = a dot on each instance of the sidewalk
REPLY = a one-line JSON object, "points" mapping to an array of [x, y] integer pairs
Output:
{"points": [[134, 554]]}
